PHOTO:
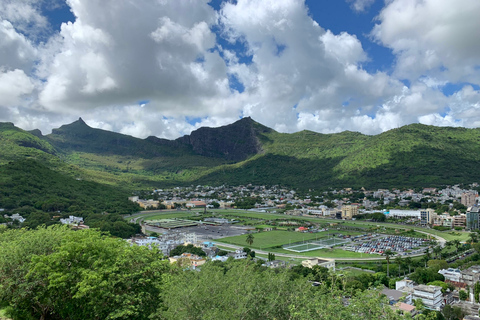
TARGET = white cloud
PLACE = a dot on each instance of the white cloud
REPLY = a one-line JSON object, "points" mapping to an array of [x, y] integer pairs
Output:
{"points": [[360, 5], [299, 75], [13, 86], [438, 38], [16, 51]]}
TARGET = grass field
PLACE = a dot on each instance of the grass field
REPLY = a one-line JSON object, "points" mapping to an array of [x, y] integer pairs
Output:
{"points": [[264, 240], [273, 240]]}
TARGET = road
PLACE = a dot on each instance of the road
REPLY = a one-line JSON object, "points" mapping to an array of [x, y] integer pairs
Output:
{"points": [[139, 216]]}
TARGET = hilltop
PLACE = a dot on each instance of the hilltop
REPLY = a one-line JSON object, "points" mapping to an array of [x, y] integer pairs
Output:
{"points": [[249, 152]]}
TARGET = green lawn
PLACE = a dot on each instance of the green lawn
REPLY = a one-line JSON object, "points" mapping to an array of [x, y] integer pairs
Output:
{"points": [[260, 219], [264, 240]]}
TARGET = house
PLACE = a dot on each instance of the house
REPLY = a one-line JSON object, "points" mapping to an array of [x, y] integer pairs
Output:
{"points": [[276, 264], [431, 296], [15, 216], [327, 263], [192, 259], [196, 204], [395, 296], [403, 308], [72, 220], [452, 275], [238, 254], [471, 275]]}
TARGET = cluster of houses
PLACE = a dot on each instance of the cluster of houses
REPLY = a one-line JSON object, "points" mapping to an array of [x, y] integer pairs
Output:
{"points": [[75, 222], [341, 207], [434, 297]]}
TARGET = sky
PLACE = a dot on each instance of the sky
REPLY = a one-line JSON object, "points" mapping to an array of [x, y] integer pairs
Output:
{"points": [[167, 67]]}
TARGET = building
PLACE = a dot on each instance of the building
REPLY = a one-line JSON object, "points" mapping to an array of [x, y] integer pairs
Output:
{"points": [[349, 211], [192, 260], [146, 204], [326, 263], [431, 296], [15, 216], [399, 214], [459, 221], [238, 254], [450, 274], [196, 204], [427, 216], [473, 217], [468, 199], [72, 220], [395, 296], [471, 275]]}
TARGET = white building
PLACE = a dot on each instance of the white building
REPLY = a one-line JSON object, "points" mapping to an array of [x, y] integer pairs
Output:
{"points": [[403, 213], [451, 274], [72, 220], [431, 296]]}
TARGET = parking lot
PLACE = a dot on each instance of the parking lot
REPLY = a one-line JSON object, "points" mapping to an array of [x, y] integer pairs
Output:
{"points": [[378, 244]]}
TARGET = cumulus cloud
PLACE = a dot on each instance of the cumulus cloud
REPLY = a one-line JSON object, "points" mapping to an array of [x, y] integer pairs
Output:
{"points": [[298, 68], [434, 37], [167, 67], [13, 85]]}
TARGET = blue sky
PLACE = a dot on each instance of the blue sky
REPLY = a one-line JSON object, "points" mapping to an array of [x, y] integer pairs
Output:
{"points": [[166, 68]]}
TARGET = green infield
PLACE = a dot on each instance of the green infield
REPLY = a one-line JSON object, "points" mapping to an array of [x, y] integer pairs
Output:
{"points": [[277, 238], [261, 219]]}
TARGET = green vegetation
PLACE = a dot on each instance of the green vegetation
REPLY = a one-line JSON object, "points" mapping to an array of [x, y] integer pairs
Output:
{"points": [[412, 156], [43, 196], [55, 273]]}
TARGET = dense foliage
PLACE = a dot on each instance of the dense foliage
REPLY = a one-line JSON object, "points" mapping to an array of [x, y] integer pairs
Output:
{"points": [[39, 194], [57, 273], [412, 156]]}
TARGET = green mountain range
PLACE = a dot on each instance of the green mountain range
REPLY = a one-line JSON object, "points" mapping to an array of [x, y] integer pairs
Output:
{"points": [[248, 152]]}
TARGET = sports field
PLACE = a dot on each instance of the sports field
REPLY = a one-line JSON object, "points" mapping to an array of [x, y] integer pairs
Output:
{"points": [[277, 238], [314, 244]]}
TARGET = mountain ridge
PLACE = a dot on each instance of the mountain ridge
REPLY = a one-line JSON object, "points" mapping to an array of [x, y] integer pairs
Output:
{"points": [[248, 152]]}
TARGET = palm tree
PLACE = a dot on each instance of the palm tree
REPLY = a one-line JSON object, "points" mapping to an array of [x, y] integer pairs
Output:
{"points": [[448, 244], [473, 237], [408, 262], [437, 250], [399, 262], [425, 259], [249, 239], [457, 244], [387, 255]]}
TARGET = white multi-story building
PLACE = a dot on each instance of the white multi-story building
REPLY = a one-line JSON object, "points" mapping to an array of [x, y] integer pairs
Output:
{"points": [[431, 296], [72, 220], [451, 274]]}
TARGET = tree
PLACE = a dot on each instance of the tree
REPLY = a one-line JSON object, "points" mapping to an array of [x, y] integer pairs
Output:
{"points": [[408, 263], [74, 275], [457, 244], [463, 295], [271, 256], [399, 261], [388, 253], [249, 239], [473, 237], [437, 250], [425, 259]]}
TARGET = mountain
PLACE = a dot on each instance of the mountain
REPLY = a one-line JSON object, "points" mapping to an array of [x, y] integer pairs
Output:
{"points": [[248, 152]]}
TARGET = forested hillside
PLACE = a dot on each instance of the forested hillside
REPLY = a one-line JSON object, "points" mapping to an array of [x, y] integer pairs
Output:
{"points": [[248, 152], [43, 196]]}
